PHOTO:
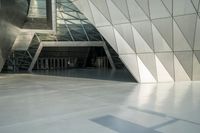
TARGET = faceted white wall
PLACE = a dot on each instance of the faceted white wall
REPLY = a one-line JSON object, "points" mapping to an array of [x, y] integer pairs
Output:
{"points": [[158, 40]]}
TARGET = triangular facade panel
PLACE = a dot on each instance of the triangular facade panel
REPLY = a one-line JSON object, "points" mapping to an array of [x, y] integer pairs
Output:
{"points": [[161, 37], [197, 54], [180, 74], [109, 35], [101, 5], [136, 13], [125, 30], [195, 4], [180, 43], [123, 7], [197, 35], [183, 7], [150, 63], [99, 18], [156, 5], [167, 60], [187, 25], [144, 4], [196, 68], [185, 59], [165, 27], [116, 15], [145, 75], [160, 45], [84, 7], [168, 4], [123, 46], [131, 63], [145, 30], [140, 44], [163, 75]]}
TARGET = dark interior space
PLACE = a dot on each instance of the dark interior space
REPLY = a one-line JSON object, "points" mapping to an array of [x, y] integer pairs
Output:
{"points": [[62, 58], [79, 62]]}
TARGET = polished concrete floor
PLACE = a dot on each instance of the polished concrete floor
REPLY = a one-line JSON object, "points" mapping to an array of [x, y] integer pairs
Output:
{"points": [[103, 74], [31, 103]]}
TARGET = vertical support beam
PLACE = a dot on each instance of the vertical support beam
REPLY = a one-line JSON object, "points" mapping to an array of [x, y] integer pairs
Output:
{"points": [[54, 63], [109, 57], [51, 14], [66, 63], [46, 64], [86, 58], [58, 63], [51, 63], [35, 57], [83, 26], [42, 63], [54, 15]]}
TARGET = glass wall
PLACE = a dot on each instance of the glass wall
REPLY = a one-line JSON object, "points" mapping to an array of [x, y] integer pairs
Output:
{"points": [[73, 25], [37, 9]]}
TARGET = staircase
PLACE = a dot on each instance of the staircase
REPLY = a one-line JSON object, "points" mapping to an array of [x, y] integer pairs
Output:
{"points": [[20, 60]]}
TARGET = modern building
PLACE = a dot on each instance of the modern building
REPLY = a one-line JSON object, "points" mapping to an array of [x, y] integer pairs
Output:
{"points": [[112, 66]]}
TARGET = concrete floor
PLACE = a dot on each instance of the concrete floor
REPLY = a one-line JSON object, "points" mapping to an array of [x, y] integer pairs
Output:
{"points": [[51, 104], [102, 74]]}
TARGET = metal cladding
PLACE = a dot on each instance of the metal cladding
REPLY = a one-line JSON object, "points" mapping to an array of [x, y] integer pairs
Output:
{"points": [[158, 40], [12, 16]]}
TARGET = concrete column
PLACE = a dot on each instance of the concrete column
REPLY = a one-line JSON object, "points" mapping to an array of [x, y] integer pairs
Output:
{"points": [[46, 63], [54, 63], [58, 63], [51, 63], [42, 63], [66, 61], [37, 65], [63, 63]]}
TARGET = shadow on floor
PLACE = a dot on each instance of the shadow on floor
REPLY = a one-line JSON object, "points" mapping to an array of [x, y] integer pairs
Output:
{"points": [[102, 74]]}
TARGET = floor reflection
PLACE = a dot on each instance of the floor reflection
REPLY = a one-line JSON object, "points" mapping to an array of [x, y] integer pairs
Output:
{"points": [[104, 74], [33, 103], [176, 99]]}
